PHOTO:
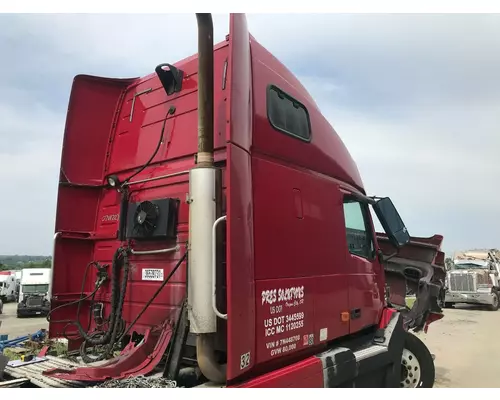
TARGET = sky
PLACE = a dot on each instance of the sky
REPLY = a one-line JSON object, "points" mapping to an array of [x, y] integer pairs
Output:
{"points": [[415, 97]]}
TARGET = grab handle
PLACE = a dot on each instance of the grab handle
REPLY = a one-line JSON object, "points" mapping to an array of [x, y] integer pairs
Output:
{"points": [[214, 267]]}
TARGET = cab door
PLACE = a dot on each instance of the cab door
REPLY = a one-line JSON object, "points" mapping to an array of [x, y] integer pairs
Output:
{"points": [[364, 269]]}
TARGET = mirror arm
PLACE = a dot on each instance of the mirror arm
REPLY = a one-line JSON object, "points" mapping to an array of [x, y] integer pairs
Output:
{"points": [[359, 196], [384, 258]]}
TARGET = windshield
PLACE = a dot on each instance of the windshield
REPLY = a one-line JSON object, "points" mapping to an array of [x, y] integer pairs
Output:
{"points": [[469, 266], [35, 289]]}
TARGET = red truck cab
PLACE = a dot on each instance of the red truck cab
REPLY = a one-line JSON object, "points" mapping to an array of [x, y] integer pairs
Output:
{"points": [[209, 212]]}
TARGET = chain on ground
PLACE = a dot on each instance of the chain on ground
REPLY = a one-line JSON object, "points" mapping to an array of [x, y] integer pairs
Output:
{"points": [[138, 382]]}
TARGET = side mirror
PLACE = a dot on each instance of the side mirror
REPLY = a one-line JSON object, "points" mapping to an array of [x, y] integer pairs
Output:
{"points": [[391, 222]]}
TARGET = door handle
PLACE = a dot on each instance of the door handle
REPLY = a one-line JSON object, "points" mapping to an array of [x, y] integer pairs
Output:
{"points": [[356, 313]]}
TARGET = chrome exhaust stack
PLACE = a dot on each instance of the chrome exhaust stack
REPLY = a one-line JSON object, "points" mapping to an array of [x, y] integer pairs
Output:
{"points": [[203, 190]]}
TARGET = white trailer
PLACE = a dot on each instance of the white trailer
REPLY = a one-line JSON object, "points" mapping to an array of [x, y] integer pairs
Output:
{"points": [[7, 286], [18, 274], [34, 292]]}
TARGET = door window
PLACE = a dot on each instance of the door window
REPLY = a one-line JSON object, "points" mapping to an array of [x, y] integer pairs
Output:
{"points": [[358, 232]]}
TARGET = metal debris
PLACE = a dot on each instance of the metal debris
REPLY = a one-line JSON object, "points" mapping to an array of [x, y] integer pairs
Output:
{"points": [[140, 381]]}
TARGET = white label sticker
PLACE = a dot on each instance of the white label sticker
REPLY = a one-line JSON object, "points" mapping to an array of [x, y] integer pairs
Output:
{"points": [[323, 334], [245, 360], [152, 274]]}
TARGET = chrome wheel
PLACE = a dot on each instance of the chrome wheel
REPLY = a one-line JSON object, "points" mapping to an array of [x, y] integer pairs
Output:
{"points": [[410, 370]]}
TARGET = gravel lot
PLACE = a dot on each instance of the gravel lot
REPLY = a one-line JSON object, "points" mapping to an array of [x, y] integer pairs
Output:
{"points": [[464, 343], [15, 327]]}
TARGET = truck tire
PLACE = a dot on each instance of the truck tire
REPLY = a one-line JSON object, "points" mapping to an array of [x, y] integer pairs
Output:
{"points": [[495, 304], [417, 364]]}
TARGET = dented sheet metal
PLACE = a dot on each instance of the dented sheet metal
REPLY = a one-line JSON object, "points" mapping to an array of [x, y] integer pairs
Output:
{"points": [[420, 267], [33, 372]]}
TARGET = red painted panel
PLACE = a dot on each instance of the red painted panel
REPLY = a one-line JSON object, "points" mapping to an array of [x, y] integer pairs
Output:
{"points": [[167, 303], [326, 153], [240, 262], [240, 233], [91, 113], [239, 82], [364, 291], [419, 249], [136, 140], [304, 374], [285, 317], [108, 214], [293, 247], [71, 257], [310, 249], [298, 314], [76, 208], [330, 300], [132, 144]]}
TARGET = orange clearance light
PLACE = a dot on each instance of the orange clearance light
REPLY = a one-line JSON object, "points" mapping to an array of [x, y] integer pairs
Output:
{"points": [[344, 316]]}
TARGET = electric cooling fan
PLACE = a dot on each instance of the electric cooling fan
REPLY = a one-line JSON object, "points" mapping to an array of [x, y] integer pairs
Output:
{"points": [[154, 219], [145, 219]]}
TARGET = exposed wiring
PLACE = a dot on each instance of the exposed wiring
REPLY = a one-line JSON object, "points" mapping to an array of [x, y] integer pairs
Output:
{"points": [[171, 111], [79, 301], [115, 323], [119, 324], [108, 337], [115, 330]]}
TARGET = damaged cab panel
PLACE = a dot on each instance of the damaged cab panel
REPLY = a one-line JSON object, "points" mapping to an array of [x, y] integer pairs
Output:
{"points": [[418, 268]]}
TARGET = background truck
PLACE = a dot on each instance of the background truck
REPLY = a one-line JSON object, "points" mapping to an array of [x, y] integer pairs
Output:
{"points": [[7, 286], [213, 228], [18, 274], [33, 292], [474, 279]]}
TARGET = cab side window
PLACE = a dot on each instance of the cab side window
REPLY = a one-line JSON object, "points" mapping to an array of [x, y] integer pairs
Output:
{"points": [[358, 231], [287, 114]]}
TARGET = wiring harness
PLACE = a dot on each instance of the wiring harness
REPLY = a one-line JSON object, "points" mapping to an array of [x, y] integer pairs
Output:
{"points": [[115, 331]]}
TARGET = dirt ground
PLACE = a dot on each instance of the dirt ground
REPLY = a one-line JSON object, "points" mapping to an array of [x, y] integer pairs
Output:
{"points": [[464, 343]]}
